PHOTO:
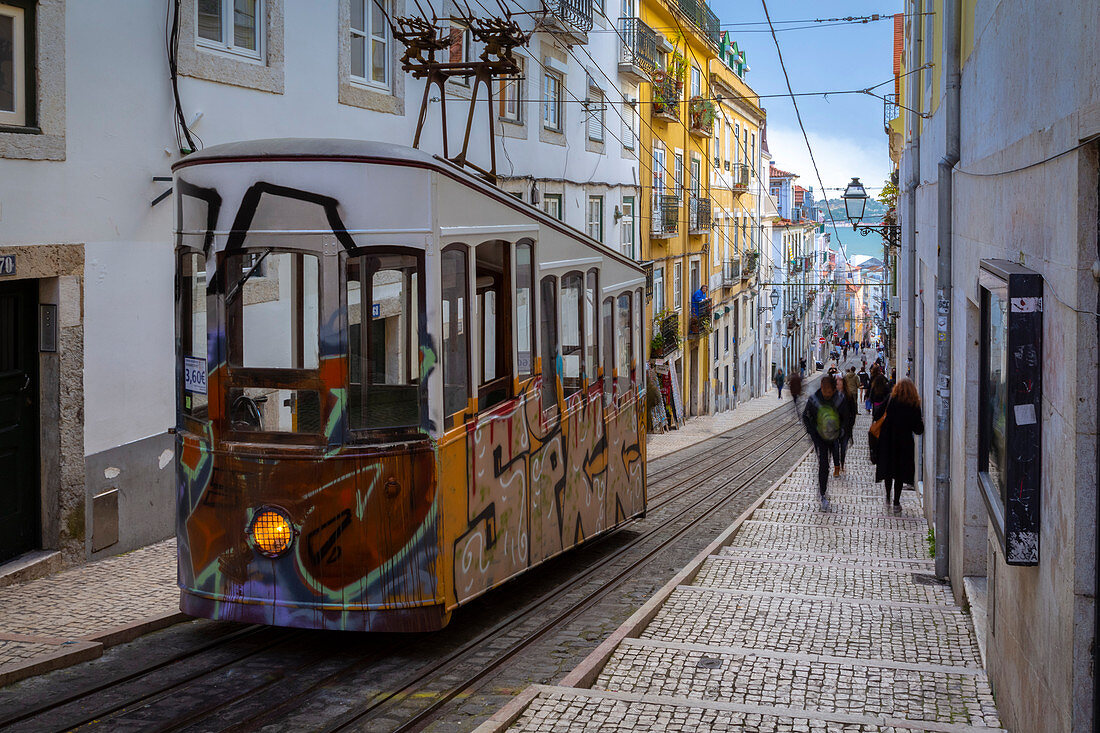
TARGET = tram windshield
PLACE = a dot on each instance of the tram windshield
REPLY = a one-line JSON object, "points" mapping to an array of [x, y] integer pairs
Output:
{"points": [[384, 300]]}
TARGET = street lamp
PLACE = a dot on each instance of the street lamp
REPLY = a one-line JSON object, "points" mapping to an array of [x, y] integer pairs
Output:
{"points": [[855, 201]]}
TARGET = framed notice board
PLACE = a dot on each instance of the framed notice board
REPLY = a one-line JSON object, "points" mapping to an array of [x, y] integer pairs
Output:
{"points": [[1011, 401]]}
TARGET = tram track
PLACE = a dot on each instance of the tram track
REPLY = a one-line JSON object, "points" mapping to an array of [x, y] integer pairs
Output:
{"points": [[314, 670], [423, 717]]}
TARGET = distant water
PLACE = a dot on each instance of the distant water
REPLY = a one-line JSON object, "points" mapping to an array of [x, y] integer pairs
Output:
{"points": [[856, 244]]}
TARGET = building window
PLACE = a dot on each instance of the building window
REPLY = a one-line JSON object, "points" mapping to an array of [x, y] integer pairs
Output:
{"points": [[231, 25], [595, 115], [595, 217], [370, 44], [658, 289], [511, 95], [678, 173], [737, 143], [696, 82], [551, 101], [627, 227], [462, 49], [551, 204], [677, 285], [17, 79], [658, 171]]}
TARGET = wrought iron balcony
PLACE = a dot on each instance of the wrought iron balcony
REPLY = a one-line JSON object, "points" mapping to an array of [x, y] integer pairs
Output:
{"points": [[739, 177], [796, 264], [704, 19], [698, 215], [701, 113], [572, 18], [666, 95], [666, 216], [699, 324], [890, 109], [731, 271], [750, 260], [638, 54], [667, 328]]}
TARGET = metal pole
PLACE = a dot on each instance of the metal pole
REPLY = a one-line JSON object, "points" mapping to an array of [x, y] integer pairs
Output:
{"points": [[944, 289]]}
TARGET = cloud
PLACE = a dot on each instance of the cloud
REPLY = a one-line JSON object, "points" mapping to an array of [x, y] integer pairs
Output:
{"points": [[838, 158]]}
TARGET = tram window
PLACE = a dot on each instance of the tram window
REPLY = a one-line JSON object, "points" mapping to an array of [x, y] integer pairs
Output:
{"points": [[193, 330], [624, 346], [259, 409], [608, 347], [272, 304], [591, 333], [383, 300], [456, 336], [548, 309], [572, 341], [525, 311], [494, 310]]}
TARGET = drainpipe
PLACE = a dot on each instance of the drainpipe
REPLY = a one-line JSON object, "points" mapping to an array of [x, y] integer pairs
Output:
{"points": [[912, 183], [944, 289]]}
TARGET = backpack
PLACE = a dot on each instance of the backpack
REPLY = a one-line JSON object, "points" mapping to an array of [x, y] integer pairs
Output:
{"points": [[827, 421]]}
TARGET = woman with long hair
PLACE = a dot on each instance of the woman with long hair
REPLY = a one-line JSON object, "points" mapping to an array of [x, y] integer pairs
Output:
{"points": [[903, 420]]}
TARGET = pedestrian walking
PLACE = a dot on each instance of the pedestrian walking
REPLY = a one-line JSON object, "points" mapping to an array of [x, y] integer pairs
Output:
{"points": [[802, 367], [780, 378], [848, 410], [852, 384], [823, 423], [879, 393], [864, 383], [901, 420]]}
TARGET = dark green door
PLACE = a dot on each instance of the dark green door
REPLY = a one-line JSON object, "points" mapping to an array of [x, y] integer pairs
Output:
{"points": [[18, 418]]}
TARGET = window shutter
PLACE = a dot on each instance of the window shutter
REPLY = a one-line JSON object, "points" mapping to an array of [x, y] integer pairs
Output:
{"points": [[595, 115]]}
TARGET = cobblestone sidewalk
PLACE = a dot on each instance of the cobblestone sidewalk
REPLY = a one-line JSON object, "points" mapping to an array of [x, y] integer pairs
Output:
{"points": [[69, 617], [796, 620]]}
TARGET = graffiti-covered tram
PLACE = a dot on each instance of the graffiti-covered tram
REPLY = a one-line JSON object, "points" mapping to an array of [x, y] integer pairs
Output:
{"points": [[398, 386]]}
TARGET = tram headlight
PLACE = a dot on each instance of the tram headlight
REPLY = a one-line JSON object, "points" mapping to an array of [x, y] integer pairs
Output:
{"points": [[272, 532]]}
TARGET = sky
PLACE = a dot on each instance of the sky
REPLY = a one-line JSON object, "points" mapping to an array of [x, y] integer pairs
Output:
{"points": [[845, 130]]}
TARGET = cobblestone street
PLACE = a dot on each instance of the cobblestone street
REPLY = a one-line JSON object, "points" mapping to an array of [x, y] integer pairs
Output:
{"points": [[798, 621], [70, 616]]}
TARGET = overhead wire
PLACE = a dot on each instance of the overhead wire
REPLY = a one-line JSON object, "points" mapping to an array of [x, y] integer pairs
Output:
{"points": [[805, 136]]}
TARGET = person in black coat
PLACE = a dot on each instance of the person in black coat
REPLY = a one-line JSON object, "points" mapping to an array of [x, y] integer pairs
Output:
{"points": [[896, 462], [878, 392]]}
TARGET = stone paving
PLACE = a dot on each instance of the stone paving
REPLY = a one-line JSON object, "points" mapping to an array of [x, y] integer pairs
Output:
{"points": [[803, 621], [42, 617]]}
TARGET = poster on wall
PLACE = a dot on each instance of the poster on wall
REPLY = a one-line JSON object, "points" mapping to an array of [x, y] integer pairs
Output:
{"points": [[1011, 399]]}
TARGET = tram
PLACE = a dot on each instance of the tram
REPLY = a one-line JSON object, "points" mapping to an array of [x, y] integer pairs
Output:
{"points": [[397, 385]]}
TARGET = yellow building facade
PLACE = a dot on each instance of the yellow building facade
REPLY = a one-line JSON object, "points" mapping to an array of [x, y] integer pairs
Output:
{"points": [[678, 112]]}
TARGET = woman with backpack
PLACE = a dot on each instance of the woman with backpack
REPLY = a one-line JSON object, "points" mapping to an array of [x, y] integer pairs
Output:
{"points": [[901, 421], [822, 418]]}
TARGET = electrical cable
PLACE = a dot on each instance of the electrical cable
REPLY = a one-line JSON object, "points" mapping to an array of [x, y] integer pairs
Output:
{"points": [[1087, 141], [806, 137]]}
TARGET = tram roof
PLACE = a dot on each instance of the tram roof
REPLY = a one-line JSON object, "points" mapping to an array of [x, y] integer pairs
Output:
{"points": [[307, 147]]}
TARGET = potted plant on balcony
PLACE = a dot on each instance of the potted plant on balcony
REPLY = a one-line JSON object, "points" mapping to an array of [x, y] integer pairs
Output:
{"points": [[751, 258], [701, 112]]}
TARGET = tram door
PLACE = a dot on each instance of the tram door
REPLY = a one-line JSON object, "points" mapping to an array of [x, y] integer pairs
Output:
{"points": [[18, 418]]}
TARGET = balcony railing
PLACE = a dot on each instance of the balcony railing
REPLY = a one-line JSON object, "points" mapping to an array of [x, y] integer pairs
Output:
{"points": [[704, 19], [639, 49], [666, 335], [739, 177], [666, 95], [731, 272], [750, 260], [666, 216], [698, 215], [701, 113], [796, 264], [575, 15], [699, 325], [890, 109]]}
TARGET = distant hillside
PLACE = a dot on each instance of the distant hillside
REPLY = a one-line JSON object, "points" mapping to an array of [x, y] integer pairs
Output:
{"points": [[872, 215]]}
